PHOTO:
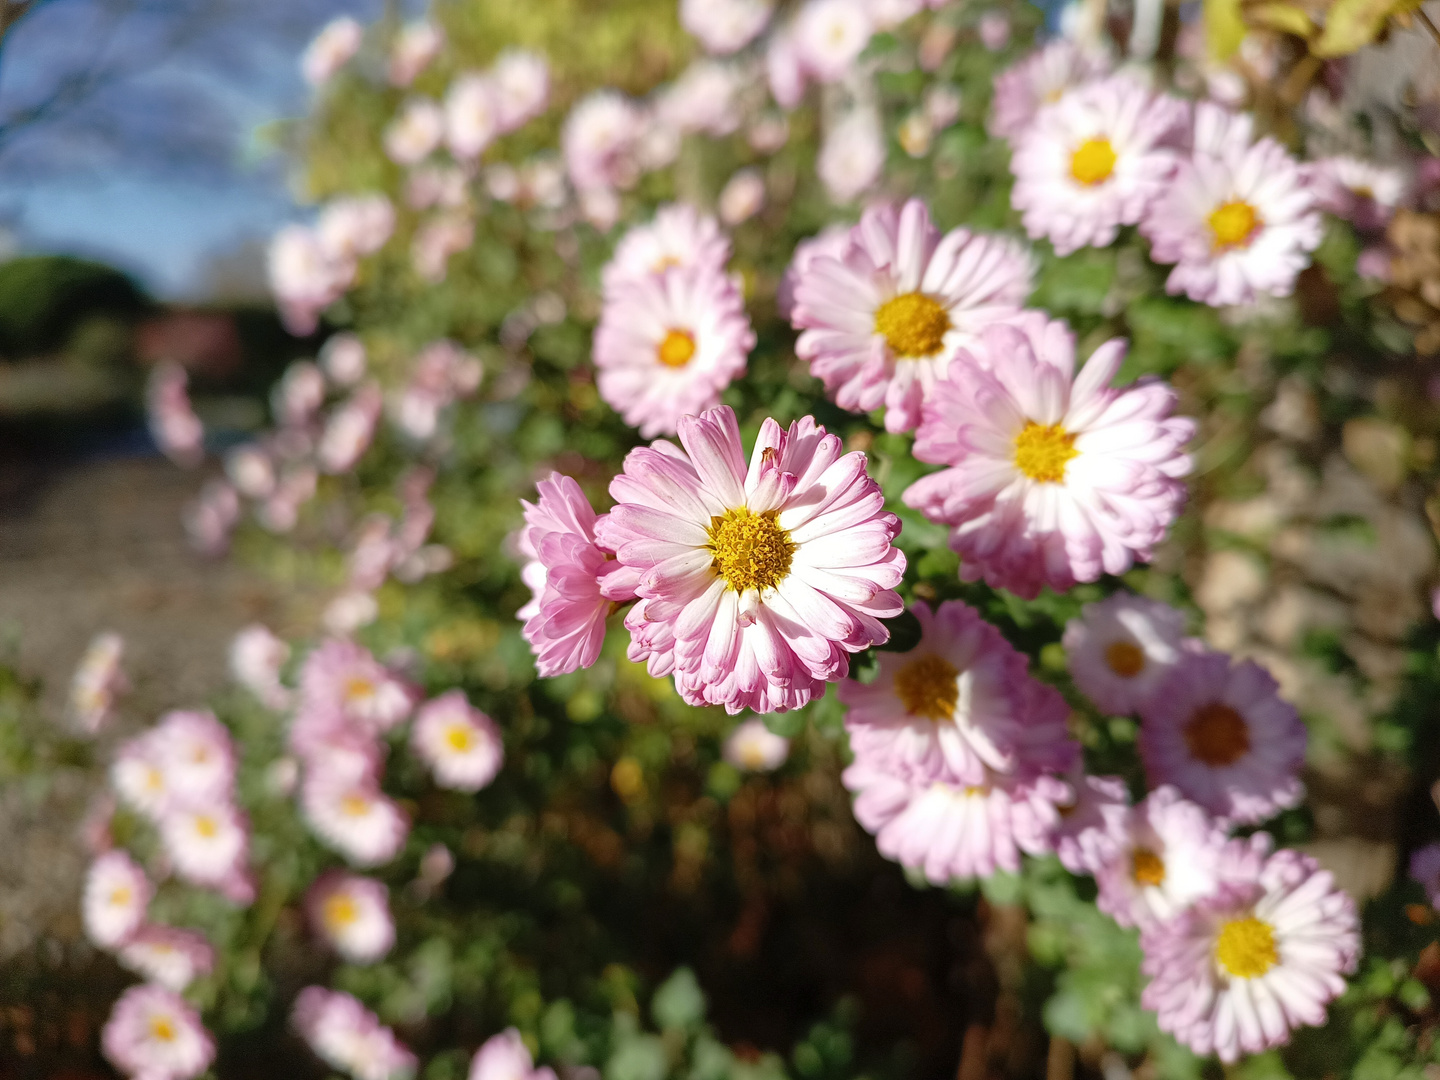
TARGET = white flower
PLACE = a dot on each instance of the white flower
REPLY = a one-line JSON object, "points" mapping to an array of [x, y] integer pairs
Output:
{"points": [[256, 657], [352, 913], [1120, 649], [117, 893], [752, 747], [724, 26], [472, 119], [415, 46], [354, 818], [830, 35], [521, 84], [207, 845], [852, 155], [416, 132], [172, 957]]}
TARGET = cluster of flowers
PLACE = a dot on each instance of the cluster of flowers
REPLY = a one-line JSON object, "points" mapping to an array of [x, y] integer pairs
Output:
{"points": [[311, 266]]}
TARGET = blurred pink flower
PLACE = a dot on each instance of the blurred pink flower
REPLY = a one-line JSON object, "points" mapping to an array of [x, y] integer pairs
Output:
{"points": [[153, 1034], [460, 744], [97, 682], [352, 914], [414, 47], [349, 1037], [176, 429], [117, 894], [331, 49], [172, 957]]}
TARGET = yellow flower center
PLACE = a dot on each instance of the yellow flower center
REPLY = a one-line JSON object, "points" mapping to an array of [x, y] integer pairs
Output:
{"points": [[1217, 735], [162, 1029], [752, 756], [929, 687], [358, 688], [154, 779], [1043, 450], [1246, 947], [913, 325], [751, 550], [665, 262], [207, 826], [1234, 225], [120, 897], [677, 350], [355, 805], [340, 911], [1125, 659], [459, 738], [1093, 162], [1147, 868]]}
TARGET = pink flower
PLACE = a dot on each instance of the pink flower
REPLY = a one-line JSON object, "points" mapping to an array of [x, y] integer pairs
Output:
{"points": [[752, 747], [176, 429], [669, 345], [352, 913], [331, 49], [97, 682], [1121, 648], [414, 47], [152, 1034], [303, 277], [342, 359], [1055, 477], [703, 98], [1220, 732], [1237, 218], [460, 743], [172, 957], [211, 517], [1360, 191], [197, 755], [852, 156], [1425, 868], [505, 1057], [352, 816], [767, 577], [349, 430], [1041, 78], [298, 396], [1093, 821], [256, 657], [343, 678], [600, 139], [354, 227], [472, 119], [830, 35], [349, 1037], [140, 777], [521, 83], [415, 133], [251, 470], [1238, 971], [1168, 856], [742, 197], [882, 319], [209, 846], [439, 238], [678, 236], [1094, 161], [724, 26], [832, 242], [117, 894]]}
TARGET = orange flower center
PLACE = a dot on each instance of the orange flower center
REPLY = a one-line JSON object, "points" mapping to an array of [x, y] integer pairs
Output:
{"points": [[677, 350], [1147, 868], [1125, 659], [1217, 735], [929, 687]]}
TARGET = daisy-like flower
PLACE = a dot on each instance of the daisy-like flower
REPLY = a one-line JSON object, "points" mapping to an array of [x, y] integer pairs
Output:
{"points": [[303, 277], [139, 776], [352, 228], [98, 680], [153, 1034], [1093, 821], [1236, 972], [256, 658], [1119, 649], [829, 36], [724, 26], [1039, 80], [349, 1037], [1056, 477], [769, 576], [600, 139], [344, 677], [208, 846], [572, 577], [506, 1057], [331, 49], [460, 743], [353, 817], [668, 345], [832, 242], [1360, 191], [1220, 732], [1425, 869], [349, 431], [198, 755], [352, 914], [172, 957], [957, 705], [415, 46], [416, 132], [472, 116], [1094, 160], [852, 155], [882, 317], [521, 85], [117, 894], [753, 747], [1168, 857], [679, 236], [1237, 219], [703, 98]]}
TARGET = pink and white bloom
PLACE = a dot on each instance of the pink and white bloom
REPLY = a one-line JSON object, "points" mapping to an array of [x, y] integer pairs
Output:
{"points": [[1237, 219], [417, 44], [704, 98], [256, 659], [753, 747], [97, 682], [1362, 192], [172, 957], [1093, 821], [251, 470], [520, 81], [852, 155], [1236, 972], [1425, 869], [331, 49], [299, 395], [117, 895], [354, 227], [767, 576], [416, 132], [353, 817], [176, 429], [742, 197], [678, 236], [1095, 160], [1220, 732], [209, 846], [832, 242], [342, 359], [303, 277], [882, 319], [352, 914], [1055, 477], [154, 1034], [1040, 79], [140, 777], [439, 238], [349, 430], [724, 26], [669, 345], [460, 744], [1168, 857], [198, 756], [600, 140], [349, 1037], [1121, 648], [506, 1057], [343, 678], [829, 36], [472, 116], [210, 518]]}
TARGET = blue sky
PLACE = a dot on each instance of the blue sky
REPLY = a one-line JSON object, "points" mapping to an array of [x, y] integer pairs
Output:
{"points": [[154, 168]]}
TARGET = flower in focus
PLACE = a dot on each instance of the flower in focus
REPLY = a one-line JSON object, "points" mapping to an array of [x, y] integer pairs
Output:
{"points": [[343, 678], [352, 913], [172, 957], [352, 817], [331, 49], [1094, 161], [256, 657], [1220, 732], [724, 26], [852, 155], [176, 429], [153, 1034], [767, 577], [416, 132], [882, 318], [1238, 971], [1041, 78], [752, 747], [460, 743], [832, 242], [600, 139], [1425, 868], [472, 119], [1055, 476], [520, 81], [1119, 649], [1237, 219], [349, 1037], [97, 681], [415, 46], [1168, 857], [679, 236], [1093, 821], [117, 894], [667, 346]]}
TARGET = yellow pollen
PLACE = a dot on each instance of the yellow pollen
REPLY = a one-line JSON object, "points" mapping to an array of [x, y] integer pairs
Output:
{"points": [[1093, 162], [207, 827], [913, 325], [1043, 450], [459, 738], [751, 550], [358, 687], [752, 756], [154, 779], [1246, 948], [121, 896], [677, 350], [1234, 225], [1147, 868], [929, 688], [1217, 735], [355, 805], [1125, 659], [665, 262], [161, 1029], [340, 911]]}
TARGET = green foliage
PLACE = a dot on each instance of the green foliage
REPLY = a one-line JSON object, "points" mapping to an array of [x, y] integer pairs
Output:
{"points": [[43, 296]]}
